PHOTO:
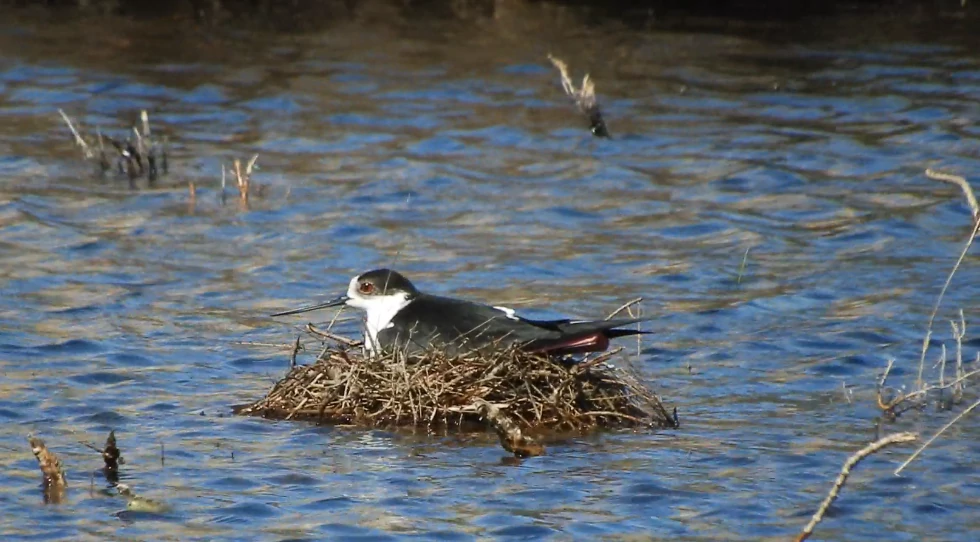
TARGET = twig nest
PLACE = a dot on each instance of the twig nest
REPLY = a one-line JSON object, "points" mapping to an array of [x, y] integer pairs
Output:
{"points": [[434, 390]]}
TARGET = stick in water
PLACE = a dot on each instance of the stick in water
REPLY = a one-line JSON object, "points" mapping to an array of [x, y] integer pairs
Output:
{"points": [[845, 472]]}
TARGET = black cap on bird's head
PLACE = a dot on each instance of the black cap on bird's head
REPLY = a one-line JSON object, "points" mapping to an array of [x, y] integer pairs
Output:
{"points": [[382, 282], [365, 288]]}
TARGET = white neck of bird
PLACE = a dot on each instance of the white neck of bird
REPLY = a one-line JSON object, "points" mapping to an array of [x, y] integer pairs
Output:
{"points": [[380, 311]]}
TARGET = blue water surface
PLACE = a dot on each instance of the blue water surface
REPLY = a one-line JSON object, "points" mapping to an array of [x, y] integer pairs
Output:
{"points": [[764, 193]]}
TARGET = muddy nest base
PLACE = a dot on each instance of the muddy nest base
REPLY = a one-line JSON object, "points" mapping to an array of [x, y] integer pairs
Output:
{"points": [[345, 386]]}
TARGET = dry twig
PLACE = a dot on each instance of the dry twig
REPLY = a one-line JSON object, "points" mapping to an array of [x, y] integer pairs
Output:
{"points": [[845, 472], [624, 306], [934, 437], [346, 341]]}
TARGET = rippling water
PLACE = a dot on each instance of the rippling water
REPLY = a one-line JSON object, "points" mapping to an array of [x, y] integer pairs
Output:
{"points": [[443, 146]]}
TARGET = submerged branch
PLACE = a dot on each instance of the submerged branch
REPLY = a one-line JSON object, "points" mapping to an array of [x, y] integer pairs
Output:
{"points": [[511, 437]]}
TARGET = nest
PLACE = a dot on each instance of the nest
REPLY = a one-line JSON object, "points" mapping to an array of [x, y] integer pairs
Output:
{"points": [[344, 386]]}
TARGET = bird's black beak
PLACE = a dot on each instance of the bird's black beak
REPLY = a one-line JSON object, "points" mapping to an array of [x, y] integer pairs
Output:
{"points": [[332, 303]]}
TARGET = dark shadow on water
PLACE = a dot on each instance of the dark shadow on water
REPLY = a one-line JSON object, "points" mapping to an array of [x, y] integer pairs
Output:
{"points": [[312, 15]]}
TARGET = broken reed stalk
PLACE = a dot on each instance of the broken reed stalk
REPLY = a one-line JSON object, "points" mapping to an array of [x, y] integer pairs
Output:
{"points": [[55, 484], [584, 97], [78, 137], [851, 462], [242, 177], [438, 391]]}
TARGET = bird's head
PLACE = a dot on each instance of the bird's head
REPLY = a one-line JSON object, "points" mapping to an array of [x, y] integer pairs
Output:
{"points": [[369, 291]]}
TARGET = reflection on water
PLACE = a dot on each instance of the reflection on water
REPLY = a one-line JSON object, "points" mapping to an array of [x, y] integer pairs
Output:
{"points": [[444, 146]]}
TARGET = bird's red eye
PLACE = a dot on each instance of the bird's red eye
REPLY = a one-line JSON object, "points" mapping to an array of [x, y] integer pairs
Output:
{"points": [[365, 288]]}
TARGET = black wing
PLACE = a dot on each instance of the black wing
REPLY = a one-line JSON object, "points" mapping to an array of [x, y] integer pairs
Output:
{"points": [[457, 326]]}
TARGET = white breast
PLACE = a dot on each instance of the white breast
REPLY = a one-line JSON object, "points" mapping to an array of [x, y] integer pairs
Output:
{"points": [[380, 311]]}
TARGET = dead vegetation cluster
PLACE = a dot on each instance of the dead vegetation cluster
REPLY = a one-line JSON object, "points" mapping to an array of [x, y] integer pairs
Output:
{"points": [[537, 393], [143, 156], [138, 157]]}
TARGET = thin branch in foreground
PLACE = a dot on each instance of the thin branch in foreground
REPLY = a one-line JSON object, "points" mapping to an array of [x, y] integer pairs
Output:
{"points": [[939, 299], [280, 346], [975, 210], [624, 306], [934, 437], [584, 98], [845, 472], [54, 475]]}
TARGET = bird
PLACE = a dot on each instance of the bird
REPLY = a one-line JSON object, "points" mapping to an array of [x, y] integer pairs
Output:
{"points": [[400, 318]]}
